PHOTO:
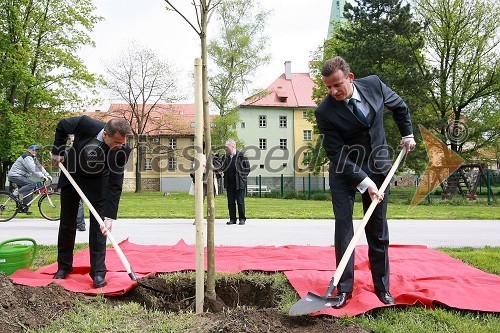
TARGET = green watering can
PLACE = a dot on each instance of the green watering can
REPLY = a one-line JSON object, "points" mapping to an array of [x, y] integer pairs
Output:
{"points": [[16, 256]]}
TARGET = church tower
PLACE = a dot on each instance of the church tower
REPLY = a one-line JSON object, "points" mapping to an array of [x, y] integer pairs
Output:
{"points": [[336, 15]]}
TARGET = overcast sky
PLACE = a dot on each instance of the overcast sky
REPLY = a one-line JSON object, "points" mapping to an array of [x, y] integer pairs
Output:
{"points": [[295, 28]]}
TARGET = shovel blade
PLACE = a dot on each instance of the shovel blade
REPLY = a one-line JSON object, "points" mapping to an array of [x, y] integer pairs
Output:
{"points": [[310, 303]]}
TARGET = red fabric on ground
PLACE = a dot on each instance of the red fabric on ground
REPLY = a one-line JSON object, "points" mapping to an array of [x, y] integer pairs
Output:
{"points": [[418, 274]]}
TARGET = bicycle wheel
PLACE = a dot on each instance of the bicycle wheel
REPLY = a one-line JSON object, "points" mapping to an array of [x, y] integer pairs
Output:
{"points": [[50, 206], [8, 206]]}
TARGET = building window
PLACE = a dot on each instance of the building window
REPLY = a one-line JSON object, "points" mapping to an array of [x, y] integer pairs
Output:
{"points": [[282, 121], [307, 157], [192, 142], [147, 164], [172, 163], [304, 114], [307, 135], [173, 143], [283, 144], [262, 144], [262, 121], [242, 124]]}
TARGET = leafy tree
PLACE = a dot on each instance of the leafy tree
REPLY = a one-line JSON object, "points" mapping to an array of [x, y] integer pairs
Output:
{"points": [[237, 52], [40, 74], [462, 61], [380, 37], [142, 80], [225, 128]]}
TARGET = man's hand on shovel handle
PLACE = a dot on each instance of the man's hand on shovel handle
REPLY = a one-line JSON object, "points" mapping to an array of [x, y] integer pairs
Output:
{"points": [[108, 224], [375, 194]]}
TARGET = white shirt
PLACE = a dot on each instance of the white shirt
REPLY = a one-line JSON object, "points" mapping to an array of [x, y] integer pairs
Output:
{"points": [[361, 103]]}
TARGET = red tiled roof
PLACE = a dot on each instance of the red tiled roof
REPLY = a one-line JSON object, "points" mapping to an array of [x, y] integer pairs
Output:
{"points": [[164, 119], [293, 93]]}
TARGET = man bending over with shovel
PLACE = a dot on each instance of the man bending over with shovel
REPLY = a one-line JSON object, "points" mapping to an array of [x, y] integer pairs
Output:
{"points": [[350, 118], [96, 161]]}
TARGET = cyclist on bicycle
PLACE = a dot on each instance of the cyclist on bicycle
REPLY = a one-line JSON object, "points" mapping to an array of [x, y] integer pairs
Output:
{"points": [[23, 168]]}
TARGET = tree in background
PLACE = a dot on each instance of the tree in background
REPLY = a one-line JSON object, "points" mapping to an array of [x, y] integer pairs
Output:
{"points": [[380, 38], [237, 52], [40, 74], [142, 80], [462, 61]]}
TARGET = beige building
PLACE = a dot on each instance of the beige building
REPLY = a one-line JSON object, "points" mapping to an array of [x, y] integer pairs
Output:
{"points": [[164, 147]]}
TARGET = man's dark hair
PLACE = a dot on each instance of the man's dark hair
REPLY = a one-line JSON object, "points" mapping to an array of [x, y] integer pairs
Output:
{"points": [[334, 64], [119, 125]]}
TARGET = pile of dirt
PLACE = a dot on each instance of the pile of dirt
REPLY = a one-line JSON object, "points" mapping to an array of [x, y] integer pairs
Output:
{"points": [[23, 307], [239, 307]]}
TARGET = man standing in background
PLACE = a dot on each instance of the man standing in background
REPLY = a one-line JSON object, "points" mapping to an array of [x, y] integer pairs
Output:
{"points": [[236, 169]]}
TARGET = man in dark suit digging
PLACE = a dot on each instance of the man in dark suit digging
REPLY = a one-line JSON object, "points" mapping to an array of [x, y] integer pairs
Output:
{"points": [[351, 121], [96, 161]]}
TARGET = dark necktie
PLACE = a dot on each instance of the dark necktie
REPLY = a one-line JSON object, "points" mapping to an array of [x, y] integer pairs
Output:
{"points": [[357, 112]]}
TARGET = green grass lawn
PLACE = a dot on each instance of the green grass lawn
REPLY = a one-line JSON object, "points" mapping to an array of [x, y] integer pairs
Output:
{"points": [[181, 205]]}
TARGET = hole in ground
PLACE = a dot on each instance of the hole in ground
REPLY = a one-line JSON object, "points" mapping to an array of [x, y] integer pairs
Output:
{"points": [[179, 294]]}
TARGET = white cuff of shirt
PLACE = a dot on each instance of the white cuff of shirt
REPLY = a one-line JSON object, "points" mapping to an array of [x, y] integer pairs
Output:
{"points": [[363, 186], [407, 136]]}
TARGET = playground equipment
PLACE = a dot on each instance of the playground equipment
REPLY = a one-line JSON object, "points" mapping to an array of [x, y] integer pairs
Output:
{"points": [[465, 180]]}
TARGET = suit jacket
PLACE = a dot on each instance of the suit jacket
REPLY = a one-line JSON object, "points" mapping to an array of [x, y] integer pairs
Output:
{"points": [[242, 169], [103, 179], [356, 150]]}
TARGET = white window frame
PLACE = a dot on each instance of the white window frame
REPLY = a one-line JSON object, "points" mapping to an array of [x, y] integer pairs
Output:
{"points": [[172, 163], [283, 144], [147, 164], [172, 143], [262, 121], [262, 144], [283, 121]]}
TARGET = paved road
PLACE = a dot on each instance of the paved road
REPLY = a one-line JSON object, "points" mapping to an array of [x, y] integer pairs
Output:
{"points": [[432, 233]]}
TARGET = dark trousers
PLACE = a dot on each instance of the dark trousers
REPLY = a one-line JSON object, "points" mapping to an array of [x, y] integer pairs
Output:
{"points": [[25, 186], [376, 230], [67, 231], [235, 197]]}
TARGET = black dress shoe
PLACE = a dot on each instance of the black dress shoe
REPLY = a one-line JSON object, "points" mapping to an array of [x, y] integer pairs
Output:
{"points": [[99, 282], [242, 222], [81, 227], [231, 222], [340, 300], [62, 274], [385, 297]]}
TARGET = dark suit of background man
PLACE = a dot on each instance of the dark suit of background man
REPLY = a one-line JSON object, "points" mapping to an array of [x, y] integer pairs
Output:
{"points": [[96, 161], [359, 159], [236, 169]]}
